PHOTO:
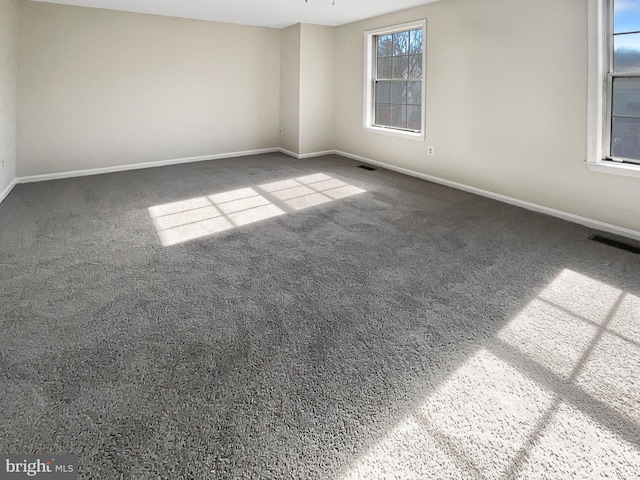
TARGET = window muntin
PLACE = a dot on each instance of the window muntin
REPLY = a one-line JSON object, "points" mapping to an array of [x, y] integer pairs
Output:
{"points": [[394, 90], [623, 81]]}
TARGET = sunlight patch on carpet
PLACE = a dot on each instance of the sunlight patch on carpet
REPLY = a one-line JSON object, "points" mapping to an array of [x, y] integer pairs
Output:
{"points": [[573, 445], [186, 220], [472, 426], [555, 394], [549, 335]]}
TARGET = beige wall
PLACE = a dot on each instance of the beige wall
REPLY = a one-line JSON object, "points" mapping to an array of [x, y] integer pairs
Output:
{"points": [[101, 88], [8, 91], [306, 88], [506, 105], [506, 96], [316, 88], [290, 88]]}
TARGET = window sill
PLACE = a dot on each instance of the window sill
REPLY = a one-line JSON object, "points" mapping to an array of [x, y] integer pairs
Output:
{"points": [[614, 168], [396, 133]]}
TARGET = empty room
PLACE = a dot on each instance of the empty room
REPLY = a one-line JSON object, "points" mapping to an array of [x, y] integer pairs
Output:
{"points": [[320, 239]]}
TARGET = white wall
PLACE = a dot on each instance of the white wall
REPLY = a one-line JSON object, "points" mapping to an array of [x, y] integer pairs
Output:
{"points": [[506, 105], [100, 88], [316, 88], [306, 88], [8, 92], [290, 88], [506, 96]]}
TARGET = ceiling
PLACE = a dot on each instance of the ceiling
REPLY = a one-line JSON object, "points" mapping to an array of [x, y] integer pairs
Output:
{"points": [[266, 13]]}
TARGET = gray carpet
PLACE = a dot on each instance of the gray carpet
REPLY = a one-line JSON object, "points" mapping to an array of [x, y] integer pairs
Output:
{"points": [[394, 329]]}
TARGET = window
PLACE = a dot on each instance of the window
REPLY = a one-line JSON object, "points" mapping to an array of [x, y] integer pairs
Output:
{"points": [[624, 81], [394, 91], [614, 87]]}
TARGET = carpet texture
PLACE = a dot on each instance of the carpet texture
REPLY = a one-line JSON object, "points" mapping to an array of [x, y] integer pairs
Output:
{"points": [[265, 317]]}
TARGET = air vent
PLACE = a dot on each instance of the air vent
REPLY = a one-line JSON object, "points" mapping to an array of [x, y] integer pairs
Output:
{"points": [[615, 243], [367, 167]]}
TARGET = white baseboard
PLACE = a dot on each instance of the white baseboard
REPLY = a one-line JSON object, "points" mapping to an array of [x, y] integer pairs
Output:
{"points": [[138, 166], [7, 190], [317, 154], [289, 152], [301, 156], [587, 222]]}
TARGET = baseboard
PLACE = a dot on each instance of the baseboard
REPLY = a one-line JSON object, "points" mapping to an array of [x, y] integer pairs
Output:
{"points": [[587, 222], [7, 190], [301, 156], [138, 166], [317, 154], [162, 163], [289, 152]]}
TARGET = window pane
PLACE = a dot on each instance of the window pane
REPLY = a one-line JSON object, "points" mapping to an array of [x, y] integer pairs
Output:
{"points": [[625, 124], [384, 67], [415, 66], [414, 117], [399, 92], [399, 116], [626, 16], [625, 138], [415, 41], [626, 55], [383, 114], [414, 93], [401, 43], [401, 66], [383, 92], [385, 45], [626, 97]]}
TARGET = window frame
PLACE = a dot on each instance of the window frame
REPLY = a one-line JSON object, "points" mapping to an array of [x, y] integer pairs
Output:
{"points": [[600, 91], [370, 78]]}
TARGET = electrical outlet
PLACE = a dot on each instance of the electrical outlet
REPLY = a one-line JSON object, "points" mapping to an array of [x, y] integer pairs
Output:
{"points": [[431, 151], [282, 131], [3, 163]]}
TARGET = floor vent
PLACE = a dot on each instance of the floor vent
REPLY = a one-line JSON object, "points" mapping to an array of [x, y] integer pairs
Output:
{"points": [[367, 167], [615, 243]]}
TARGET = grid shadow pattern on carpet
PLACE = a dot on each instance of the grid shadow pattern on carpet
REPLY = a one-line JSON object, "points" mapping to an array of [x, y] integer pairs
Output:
{"points": [[371, 326]]}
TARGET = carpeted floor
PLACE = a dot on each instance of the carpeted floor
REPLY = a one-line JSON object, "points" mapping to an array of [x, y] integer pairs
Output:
{"points": [[265, 317]]}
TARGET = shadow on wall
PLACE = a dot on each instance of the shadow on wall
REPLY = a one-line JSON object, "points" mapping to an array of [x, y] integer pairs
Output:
{"points": [[556, 392]]}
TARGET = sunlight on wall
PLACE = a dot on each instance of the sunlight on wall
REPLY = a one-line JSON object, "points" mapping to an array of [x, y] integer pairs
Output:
{"points": [[555, 395], [186, 220]]}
